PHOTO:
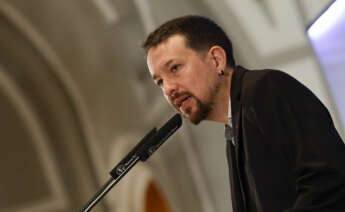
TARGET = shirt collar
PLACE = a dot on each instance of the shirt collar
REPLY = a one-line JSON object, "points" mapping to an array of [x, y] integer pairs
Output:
{"points": [[229, 112]]}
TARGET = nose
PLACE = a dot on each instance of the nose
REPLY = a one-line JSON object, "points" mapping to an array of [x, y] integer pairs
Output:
{"points": [[170, 88]]}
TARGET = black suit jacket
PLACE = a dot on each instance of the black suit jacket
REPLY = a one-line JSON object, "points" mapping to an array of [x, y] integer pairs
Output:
{"points": [[286, 150]]}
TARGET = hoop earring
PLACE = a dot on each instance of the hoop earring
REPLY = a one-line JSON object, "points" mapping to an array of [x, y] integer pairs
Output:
{"points": [[221, 73]]}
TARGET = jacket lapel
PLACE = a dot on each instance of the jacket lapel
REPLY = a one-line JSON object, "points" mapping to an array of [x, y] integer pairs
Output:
{"points": [[236, 105], [236, 110]]}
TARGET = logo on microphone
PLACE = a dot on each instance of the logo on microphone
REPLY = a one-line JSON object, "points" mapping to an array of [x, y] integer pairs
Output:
{"points": [[120, 169], [124, 166]]}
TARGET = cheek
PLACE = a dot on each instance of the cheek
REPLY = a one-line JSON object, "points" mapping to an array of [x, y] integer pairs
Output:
{"points": [[202, 85], [198, 80]]}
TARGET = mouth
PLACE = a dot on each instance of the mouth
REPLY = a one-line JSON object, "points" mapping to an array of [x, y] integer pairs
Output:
{"points": [[182, 102]]}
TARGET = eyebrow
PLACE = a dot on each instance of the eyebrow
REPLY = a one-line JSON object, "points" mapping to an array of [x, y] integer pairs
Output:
{"points": [[154, 77]]}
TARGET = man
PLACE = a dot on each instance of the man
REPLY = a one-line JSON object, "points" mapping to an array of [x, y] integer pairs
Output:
{"points": [[284, 153]]}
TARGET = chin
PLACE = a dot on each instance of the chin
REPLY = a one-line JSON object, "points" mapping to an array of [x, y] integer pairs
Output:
{"points": [[196, 121], [197, 114], [197, 117]]}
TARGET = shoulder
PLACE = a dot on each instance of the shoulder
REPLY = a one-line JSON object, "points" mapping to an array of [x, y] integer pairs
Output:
{"points": [[264, 82], [264, 86], [266, 77]]}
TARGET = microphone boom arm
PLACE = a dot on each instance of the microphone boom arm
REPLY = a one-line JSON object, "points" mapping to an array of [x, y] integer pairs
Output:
{"points": [[142, 151]]}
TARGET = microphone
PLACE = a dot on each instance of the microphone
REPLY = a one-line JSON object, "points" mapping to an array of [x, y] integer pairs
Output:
{"points": [[142, 151], [160, 137]]}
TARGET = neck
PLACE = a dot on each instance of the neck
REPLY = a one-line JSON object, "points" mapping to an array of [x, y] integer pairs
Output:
{"points": [[220, 108]]}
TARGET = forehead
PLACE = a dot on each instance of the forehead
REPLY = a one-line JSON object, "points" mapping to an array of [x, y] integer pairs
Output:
{"points": [[171, 49]]}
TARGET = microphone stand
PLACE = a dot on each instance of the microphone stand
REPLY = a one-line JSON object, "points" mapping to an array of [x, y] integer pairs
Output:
{"points": [[142, 151]]}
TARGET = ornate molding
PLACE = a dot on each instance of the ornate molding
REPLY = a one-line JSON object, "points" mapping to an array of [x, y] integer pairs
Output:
{"points": [[63, 77], [58, 198]]}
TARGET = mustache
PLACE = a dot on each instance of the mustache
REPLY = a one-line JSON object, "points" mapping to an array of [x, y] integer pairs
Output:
{"points": [[177, 95]]}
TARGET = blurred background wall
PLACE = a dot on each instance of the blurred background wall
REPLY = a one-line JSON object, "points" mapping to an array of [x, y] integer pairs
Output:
{"points": [[76, 96]]}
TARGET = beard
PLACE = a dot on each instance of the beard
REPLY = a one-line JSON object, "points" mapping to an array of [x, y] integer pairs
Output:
{"points": [[201, 113], [203, 109]]}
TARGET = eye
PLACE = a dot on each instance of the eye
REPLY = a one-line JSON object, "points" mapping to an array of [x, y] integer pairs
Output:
{"points": [[175, 68]]}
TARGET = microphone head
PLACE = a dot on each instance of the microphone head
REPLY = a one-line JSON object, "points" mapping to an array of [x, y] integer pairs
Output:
{"points": [[162, 135], [174, 122]]}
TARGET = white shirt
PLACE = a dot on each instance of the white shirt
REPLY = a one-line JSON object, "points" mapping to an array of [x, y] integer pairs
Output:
{"points": [[230, 131]]}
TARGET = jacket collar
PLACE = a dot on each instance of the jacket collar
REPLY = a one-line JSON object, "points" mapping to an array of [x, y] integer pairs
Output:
{"points": [[236, 110], [235, 95], [236, 82]]}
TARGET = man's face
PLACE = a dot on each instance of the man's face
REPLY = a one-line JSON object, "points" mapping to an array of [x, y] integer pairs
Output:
{"points": [[188, 80]]}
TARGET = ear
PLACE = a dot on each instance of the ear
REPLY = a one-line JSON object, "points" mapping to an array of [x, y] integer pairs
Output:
{"points": [[218, 57]]}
